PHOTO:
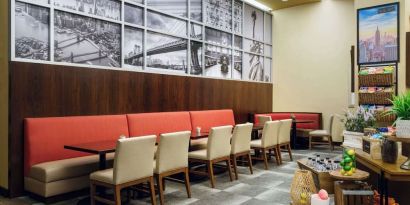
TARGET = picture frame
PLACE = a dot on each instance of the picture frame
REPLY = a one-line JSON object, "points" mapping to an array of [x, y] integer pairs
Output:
{"points": [[378, 34]]}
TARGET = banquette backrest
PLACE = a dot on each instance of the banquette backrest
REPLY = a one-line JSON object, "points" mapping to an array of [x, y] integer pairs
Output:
{"points": [[45, 137], [315, 117], [206, 119]]}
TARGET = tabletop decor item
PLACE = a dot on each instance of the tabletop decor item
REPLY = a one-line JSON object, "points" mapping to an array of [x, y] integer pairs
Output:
{"points": [[356, 120], [302, 188], [401, 109], [321, 198], [348, 162], [389, 150]]}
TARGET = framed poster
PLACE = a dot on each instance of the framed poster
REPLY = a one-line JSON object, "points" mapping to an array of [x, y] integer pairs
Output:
{"points": [[378, 34]]}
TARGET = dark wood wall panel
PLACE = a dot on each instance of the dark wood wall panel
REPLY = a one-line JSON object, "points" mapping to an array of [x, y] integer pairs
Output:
{"points": [[40, 90]]}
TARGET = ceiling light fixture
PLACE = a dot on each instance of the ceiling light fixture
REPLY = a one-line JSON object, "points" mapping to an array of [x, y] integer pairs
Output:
{"points": [[259, 5]]}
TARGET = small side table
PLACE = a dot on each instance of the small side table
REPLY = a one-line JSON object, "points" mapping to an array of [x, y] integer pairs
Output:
{"points": [[346, 183]]}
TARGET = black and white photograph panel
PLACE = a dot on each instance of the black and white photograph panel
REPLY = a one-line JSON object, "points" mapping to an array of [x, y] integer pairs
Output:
{"points": [[166, 24], [196, 58], [196, 31], [218, 14], [105, 8], [253, 67], [237, 17], [218, 37], [237, 65], [84, 40], [218, 61], [39, 1], [252, 46], [268, 28], [137, 1], [133, 14], [268, 70], [32, 31], [196, 10], [237, 42], [268, 51], [166, 53], [253, 25], [174, 7], [133, 47]]}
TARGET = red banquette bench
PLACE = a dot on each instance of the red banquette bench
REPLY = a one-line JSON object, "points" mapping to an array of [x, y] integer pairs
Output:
{"points": [[51, 170], [302, 128]]}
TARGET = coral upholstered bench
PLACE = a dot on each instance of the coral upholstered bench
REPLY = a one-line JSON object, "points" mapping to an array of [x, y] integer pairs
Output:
{"points": [[49, 169]]}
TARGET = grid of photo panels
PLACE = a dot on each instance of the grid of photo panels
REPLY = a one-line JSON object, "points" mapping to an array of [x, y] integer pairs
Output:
{"points": [[227, 39]]}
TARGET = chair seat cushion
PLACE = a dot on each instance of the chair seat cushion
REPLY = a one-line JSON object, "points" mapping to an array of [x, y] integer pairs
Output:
{"points": [[256, 143], [319, 133], [199, 144], [199, 154], [67, 168], [106, 176]]}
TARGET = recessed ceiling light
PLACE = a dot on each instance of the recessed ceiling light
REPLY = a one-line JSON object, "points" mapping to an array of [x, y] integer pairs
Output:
{"points": [[284, 0], [259, 5]]}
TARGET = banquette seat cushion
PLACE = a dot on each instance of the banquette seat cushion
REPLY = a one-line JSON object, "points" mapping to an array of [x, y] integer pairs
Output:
{"points": [[50, 169], [206, 119]]}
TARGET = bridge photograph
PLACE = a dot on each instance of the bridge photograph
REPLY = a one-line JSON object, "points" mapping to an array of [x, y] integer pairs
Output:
{"points": [[133, 48], [105, 8], [84, 40]]}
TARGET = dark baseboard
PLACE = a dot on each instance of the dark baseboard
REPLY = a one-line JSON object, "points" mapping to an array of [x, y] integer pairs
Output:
{"points": [[4, 192], [59, 198]]}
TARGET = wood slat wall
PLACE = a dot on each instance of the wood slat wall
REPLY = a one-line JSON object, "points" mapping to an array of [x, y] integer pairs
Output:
{"points": [[41, 90]]}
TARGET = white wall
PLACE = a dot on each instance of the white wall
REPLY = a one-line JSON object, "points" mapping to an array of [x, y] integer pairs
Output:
{"points": [[311, 57]]}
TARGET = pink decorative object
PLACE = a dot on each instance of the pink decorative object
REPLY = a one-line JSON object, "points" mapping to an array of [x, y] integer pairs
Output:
{"points": [[323, 194], [316, 200]]}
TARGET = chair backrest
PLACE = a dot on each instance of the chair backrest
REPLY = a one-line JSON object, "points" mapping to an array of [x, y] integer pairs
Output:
{"points": [[172, 152], [264, 118], [219, 144], [284, 131], [336, 128], [241, 138], [133, 158], [270, 133]]}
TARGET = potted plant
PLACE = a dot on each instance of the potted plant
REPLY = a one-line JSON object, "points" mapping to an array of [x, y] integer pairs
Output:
{"points": [[401, 109], [355, 121]]}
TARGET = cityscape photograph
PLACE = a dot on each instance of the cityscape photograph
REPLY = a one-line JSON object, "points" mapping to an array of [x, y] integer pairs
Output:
{"points": [[133, 48], [218, 14], [40, 1], [237, 65], [237, 17], [196, 10], [218, 61], [175, 7], [32, 31], [84, 40], [378, 34], [166, 23], [196, 58], [166, 52], [196, 31], [218, 37], [105, 8]]}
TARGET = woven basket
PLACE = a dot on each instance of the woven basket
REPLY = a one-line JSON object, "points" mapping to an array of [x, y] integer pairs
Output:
{"points": [[381, 98], [302, 184], [381, 117], [376, 80]]}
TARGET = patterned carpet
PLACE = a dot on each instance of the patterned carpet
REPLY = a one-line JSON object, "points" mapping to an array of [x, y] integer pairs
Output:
{"points": [[263, 187]]}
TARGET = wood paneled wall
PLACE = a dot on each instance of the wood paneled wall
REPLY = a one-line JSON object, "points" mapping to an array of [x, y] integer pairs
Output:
{"points": [[40, 90]]}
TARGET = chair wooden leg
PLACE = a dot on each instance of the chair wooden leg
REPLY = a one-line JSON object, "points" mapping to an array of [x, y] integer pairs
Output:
{"points": [[290, 152], [235, 168], [279, 154], [117, 195], [152, 190], [250, 163], [187, 184], [265, 160], [330, 143], [211, 174], [270, 154], [310, 142], [160, 188], [228, 164], [278, 161], [92, 193]]}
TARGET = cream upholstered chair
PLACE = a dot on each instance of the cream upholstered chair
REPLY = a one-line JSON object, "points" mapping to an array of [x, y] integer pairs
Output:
{"points": [[264, 118], [132, 166], [241, 145], [335, 133], [172, 158], [284, 138], [218, 150], [268, 141]]}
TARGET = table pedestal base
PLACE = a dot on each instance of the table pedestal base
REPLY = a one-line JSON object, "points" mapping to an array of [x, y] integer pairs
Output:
{"points": [[406, 164]]}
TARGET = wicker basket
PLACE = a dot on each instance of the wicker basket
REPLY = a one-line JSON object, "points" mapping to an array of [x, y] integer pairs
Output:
{"points": [[381, 98], [376, 80], [381, 117], [302, 186]]}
